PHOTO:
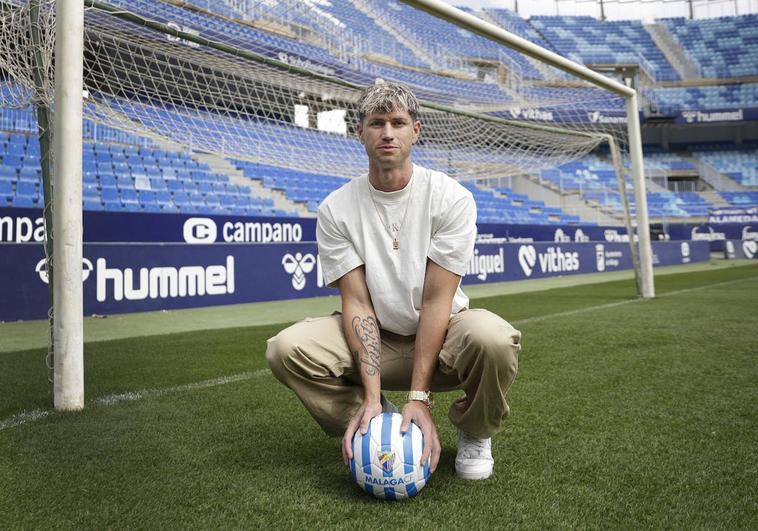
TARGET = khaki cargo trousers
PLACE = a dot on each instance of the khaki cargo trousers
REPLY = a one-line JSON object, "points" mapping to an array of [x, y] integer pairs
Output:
{"points": [[479, 356]]}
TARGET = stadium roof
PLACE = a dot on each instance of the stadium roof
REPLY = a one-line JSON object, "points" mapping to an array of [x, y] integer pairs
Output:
{"points": [[620, 9]]}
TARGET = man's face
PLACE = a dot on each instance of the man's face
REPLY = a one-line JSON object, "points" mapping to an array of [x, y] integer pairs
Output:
{"points": [[388, 138]]}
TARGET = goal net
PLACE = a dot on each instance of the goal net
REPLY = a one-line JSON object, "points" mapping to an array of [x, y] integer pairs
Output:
{"points": [[275, 83], [182, 75]]}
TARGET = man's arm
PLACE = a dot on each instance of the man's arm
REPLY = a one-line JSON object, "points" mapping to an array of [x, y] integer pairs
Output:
{"points": [[436, 303], [362, 334]]}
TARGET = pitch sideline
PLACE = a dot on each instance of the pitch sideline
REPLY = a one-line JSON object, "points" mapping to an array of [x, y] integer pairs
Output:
{"points": [[26, 417]]}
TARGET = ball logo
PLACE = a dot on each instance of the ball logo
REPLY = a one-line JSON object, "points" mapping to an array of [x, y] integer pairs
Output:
{"points": [[200, 230], [42, 272], [527, 258], [298, 266], [387, 460], [750, 248]]}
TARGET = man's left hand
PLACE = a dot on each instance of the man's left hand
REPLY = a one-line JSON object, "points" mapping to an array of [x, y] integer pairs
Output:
{"points": [[418, 413]]}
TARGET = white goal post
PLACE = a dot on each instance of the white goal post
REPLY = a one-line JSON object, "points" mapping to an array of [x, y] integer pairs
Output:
{"points": [[68, 333], [440, 9]]}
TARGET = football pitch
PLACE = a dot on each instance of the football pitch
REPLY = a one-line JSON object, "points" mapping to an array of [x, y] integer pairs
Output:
{"points": [[626, 413]]}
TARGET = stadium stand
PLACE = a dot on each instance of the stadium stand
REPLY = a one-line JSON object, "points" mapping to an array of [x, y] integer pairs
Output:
{"points": [[515, 24], [591, 41], [741, 165], [724, 47], [671, 99], [131, 178], [741, 199], [125, 172]]}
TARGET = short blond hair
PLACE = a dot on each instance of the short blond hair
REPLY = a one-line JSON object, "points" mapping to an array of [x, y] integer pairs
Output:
{"points": [[385, 98]]}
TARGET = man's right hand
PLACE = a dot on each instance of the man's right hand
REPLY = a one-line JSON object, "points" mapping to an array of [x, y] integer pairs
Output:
{"points": [[360, 421]]}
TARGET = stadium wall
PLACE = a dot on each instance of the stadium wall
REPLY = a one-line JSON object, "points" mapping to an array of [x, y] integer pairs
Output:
{"points": [[124, 277], [25, 225]]}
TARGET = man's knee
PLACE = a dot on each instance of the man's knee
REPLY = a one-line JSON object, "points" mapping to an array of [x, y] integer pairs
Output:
{"points": [[496, 342], [280, 350]]}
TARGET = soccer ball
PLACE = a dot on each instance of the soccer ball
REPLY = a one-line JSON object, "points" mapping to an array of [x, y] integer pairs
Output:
{"points": [[385, 462]]}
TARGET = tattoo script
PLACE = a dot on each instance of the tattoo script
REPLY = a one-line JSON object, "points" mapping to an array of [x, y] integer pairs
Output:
{"points": [[369, 355]]}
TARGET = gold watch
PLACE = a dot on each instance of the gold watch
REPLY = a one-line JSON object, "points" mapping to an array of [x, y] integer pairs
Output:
{"points": [[422, 396]]}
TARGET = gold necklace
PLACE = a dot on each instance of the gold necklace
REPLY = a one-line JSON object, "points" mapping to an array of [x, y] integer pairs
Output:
{"points": [[395, 240]]}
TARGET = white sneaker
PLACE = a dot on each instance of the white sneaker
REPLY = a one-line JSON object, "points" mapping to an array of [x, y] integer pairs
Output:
{"points": [[474, 459]]}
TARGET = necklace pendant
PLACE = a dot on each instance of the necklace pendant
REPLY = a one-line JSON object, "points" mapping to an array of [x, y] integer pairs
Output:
{"points": [[395, 244]]}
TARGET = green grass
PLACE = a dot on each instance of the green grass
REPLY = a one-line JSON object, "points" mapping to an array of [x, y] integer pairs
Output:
{"points": [[625, 414]]}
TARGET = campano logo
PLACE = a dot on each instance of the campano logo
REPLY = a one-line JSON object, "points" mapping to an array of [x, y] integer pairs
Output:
{"points": [[200, 230], [298, 266], [527, 259], [42, 272], [750, 248]]}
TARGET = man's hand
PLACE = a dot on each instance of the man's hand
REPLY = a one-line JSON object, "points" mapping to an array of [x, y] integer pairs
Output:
{"points": [[360, 421], [418, 413]]}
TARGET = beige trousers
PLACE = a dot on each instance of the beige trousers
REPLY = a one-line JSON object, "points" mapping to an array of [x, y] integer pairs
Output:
{"points": [[479, 356]]}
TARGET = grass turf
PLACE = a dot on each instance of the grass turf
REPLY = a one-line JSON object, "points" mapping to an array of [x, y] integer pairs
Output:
{"points": [[638, 414]]}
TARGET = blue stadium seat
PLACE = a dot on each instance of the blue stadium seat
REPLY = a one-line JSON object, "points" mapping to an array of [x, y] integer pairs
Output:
{"points": [[92, 204], [6, 190], [8, 173], [24, 201], [26, 189]]}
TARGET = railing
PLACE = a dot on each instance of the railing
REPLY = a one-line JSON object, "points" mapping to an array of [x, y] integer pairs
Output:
{"points": [[682, 62], [712, 176]]}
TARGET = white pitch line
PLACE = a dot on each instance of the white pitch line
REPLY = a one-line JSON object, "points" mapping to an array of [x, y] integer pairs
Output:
{"points": [[622, 303], [23, 418], [130, 396]]}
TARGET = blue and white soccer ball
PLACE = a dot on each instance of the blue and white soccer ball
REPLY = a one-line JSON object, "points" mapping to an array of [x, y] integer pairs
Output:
{"points": [[385, 462]]}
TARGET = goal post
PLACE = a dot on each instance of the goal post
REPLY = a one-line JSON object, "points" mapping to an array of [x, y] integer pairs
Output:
{"points": [[442, 10], [68, 377]]}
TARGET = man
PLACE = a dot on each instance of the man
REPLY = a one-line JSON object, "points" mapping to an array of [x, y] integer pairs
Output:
{"points": [[396, 243]]}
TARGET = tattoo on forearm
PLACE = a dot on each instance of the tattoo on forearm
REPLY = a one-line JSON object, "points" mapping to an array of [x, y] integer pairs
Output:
{"points": [[369, 354]]}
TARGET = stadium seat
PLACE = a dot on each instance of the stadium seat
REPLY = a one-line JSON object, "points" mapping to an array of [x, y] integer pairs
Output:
{"points": [[6, 190], [24, 201]]}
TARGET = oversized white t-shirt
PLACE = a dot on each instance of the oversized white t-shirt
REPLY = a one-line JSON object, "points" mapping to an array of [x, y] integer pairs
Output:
{"points": [[440, 225]]}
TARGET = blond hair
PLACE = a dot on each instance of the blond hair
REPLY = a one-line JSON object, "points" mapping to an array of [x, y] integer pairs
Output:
{"points": [[385, 98]]}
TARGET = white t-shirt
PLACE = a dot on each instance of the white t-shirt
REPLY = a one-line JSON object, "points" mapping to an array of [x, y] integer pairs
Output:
{"points": [[440, 225]]}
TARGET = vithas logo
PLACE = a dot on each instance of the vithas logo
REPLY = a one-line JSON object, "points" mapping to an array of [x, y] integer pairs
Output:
{"points": [[552, 260], [527, 258]]}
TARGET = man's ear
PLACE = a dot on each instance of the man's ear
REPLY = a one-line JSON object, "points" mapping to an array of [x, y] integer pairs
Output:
{"points": [[359, 132]]}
